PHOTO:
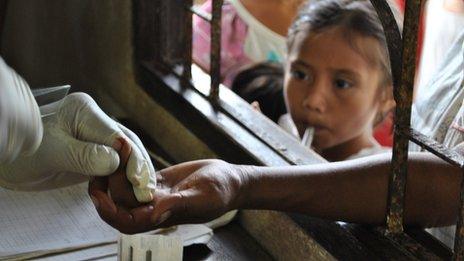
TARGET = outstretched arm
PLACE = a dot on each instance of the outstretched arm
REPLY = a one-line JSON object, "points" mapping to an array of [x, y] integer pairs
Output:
{"points": [[356, 191], [353, 191]]}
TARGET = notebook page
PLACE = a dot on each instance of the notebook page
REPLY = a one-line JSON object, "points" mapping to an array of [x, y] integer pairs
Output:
{"points": [[49, 220]]}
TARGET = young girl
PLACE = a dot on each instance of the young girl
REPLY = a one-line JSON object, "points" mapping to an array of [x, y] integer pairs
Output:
{"points": [[337, 78], [252, 31]]}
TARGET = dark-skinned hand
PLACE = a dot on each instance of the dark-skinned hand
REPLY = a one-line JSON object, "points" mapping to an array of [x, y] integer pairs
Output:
{"points": [[191, 192]]}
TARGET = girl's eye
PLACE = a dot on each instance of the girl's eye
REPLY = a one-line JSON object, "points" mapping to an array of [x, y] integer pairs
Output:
{"points": [[299, 75], [342, 84]]}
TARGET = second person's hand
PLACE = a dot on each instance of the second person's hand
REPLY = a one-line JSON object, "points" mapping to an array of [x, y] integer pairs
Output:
{"points": [[191, 192]]}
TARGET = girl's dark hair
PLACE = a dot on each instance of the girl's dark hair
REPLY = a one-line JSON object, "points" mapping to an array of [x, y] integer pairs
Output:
{"points": [[262, 82], [354, 17]]}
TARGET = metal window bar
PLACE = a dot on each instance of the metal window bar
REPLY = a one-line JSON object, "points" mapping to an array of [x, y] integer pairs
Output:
{"points": [[402, 51], [403, 97], [214, 19], [187, 65], [404, 57]]}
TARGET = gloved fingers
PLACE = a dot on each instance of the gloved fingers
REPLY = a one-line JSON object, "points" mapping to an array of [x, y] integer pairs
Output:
{"points": [[135, 139], [90, 159], [86, 121], [144, 195], [140, 171]]}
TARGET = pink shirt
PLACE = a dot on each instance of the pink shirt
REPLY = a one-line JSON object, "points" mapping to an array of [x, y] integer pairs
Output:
{"points": [[234, 32]]}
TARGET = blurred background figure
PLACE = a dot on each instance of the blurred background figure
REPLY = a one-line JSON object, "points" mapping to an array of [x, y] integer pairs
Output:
{"points": [[252, 31], [262, 85], [444, 19]]}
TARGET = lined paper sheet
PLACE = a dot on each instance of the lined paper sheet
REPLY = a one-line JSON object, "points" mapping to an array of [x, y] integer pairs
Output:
{"points": [[50, 220], [109, 252], [36, 223]]}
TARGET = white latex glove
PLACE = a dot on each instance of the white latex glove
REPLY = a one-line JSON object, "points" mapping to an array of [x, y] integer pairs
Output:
{"points": [[80, 139], [20, 123]]}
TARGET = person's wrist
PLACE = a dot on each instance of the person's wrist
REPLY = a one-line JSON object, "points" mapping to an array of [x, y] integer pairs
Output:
{"points": [[244, 173]]}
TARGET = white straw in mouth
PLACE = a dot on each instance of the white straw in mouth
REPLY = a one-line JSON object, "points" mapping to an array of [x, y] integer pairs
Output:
{"points": [[308, 137]]}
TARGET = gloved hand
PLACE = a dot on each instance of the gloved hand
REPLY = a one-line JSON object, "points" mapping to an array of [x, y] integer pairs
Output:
{"points": [[119, 187], [20, 123], [80, 139]]}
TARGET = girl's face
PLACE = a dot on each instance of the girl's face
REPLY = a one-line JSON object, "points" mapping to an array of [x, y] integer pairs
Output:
{"points": [[332, 87]]}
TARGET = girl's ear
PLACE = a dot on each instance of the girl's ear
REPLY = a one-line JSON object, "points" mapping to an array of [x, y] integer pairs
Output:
{"points": [[386, 104]]}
